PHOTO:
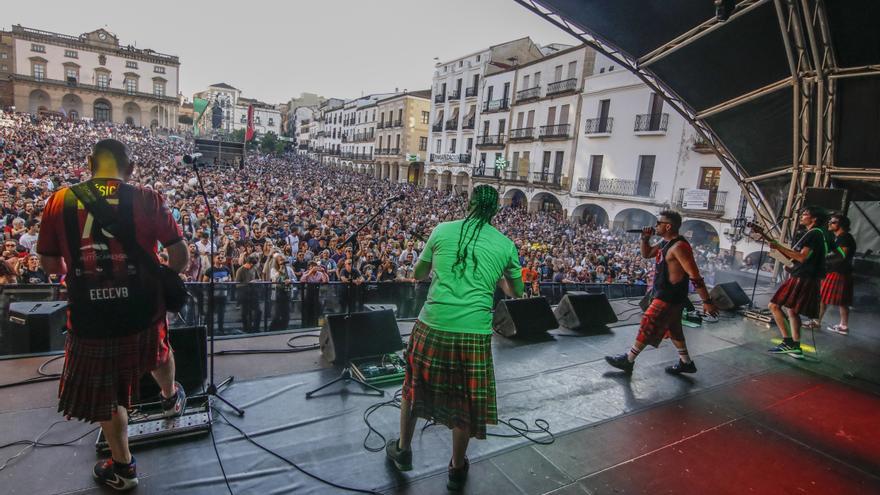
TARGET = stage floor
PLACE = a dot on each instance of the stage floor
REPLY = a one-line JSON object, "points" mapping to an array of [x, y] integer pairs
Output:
{"points": [[747, 422]]}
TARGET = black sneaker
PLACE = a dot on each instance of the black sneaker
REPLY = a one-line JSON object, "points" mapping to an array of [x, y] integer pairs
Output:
{"points": [[401, 458], [681, 367], [116, 476], [620, 362], [174, 405], [783, 348], [457, 476]]}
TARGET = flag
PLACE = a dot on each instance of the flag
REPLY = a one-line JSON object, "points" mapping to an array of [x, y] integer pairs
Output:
{"points": [[250, 124], [199, 107]]}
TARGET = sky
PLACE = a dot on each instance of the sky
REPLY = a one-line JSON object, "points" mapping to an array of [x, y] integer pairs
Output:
{"points": [[273, 51]]}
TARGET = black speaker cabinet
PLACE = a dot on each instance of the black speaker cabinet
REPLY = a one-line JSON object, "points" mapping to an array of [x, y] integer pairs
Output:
{"points": [[580, 310], [190, 361], [728, 296], [523, 317], [369, 333], [828, 198], [35, 326]]}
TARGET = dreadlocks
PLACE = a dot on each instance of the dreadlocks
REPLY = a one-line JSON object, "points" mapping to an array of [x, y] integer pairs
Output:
{"points": [[483, 206]]}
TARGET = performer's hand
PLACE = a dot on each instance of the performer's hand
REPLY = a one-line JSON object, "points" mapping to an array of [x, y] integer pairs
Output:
{"points": [[710, 309], [647, 232]]}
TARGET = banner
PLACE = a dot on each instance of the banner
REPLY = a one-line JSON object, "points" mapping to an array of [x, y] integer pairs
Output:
{"points": [[695, 199], [199, 107], [250, 124]]}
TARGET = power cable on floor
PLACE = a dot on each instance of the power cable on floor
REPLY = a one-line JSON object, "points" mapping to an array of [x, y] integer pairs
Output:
{"points": [[36, 443]]}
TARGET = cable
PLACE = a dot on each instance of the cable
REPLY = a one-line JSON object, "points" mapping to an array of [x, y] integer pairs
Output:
{"points": [[41, 371], [291, 463], [29, 444], [303, 347], [220, 461]]}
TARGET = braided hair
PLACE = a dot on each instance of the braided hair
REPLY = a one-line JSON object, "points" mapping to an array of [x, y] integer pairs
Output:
{"points": [[483, 206]]}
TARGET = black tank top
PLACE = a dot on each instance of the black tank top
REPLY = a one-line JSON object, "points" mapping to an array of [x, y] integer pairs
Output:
{"points": [[664, 289]]}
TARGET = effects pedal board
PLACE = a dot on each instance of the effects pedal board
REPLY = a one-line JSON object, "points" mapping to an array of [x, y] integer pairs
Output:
{"points": [[759, 316], [147, 425], [375, 370]]}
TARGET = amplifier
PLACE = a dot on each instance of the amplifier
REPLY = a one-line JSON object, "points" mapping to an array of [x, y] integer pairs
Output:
{"points": [[34, 326]]}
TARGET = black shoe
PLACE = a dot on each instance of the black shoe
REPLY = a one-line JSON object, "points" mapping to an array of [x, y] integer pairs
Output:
{"points": [[620, 362], [681, 367], [174, 405], [116, 476], [457, 476], [401, 458]]}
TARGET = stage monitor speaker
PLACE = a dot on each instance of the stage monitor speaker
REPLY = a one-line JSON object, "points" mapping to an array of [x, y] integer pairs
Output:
{"points": [[523, 317], [728, 296], [580, 310], [190, 362], [349, 336], [380, 307], [828, 198], [35, 326]]}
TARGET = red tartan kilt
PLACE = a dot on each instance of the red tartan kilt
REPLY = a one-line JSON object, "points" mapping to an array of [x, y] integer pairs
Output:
{"points": [[101, 374], [450, 378], [799, 294], [661, 320], [837, 289]]}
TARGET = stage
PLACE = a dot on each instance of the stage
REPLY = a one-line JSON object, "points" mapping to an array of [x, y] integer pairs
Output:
{"points": [[747, 422]]}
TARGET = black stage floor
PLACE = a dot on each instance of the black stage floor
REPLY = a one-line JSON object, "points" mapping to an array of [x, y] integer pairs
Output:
{"points": [[747, 422]]}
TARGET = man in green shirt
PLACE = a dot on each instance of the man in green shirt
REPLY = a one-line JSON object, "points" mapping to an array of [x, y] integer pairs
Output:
{"points": [[450, 376]]}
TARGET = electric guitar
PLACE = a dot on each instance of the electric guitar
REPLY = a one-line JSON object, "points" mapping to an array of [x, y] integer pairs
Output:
{"points": [[786, 262]]}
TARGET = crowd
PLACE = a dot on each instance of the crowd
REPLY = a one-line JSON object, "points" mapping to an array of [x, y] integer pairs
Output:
{"points": [[283, 219]]}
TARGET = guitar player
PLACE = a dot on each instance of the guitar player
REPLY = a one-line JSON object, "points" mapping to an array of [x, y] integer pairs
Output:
{"points": [[799, 295]]}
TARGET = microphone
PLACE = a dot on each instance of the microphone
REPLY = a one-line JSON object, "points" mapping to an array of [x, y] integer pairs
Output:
{"points": [[191, 159], [636, 231]]}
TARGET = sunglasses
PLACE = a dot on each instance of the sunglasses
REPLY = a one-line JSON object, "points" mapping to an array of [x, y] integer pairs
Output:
{"points": [[659, 222]]}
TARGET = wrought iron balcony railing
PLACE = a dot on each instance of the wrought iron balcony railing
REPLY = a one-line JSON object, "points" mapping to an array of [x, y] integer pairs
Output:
{"points": [[450, 157], [713, 206], [618, 187], [599, 126], [496, 105], [528, 94], [454, 95], [562, 86], [522, 133], [437, 127], [470, 92], [439, 97], [397, 123], [490, 140], [548, 178], [651, 122], [555, 131], [469, 123], [452, 125]]}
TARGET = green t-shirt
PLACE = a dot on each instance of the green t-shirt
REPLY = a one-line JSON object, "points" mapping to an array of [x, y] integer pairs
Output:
{"points": [[462, 301]]}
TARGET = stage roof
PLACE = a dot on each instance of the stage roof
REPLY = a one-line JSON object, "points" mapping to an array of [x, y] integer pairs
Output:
{"points": [[738, 79]]}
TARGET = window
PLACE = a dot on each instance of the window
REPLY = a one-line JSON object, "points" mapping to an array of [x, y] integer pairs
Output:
{"points": [[131, 85], [478, 58], [257, 119], [159, 69], [243, 119], [645, 175], [159, 88], [537, 79], [557, 168], [398, 142], [271, 121], [610, 68], [439, 148], [426, 117], [545, 166], [595, 172], [572, 69], [563, 114], [557, 73], [526, 82], [71, 54], [131, 64], [452, 145], [39, 70], [4, 67], [602, 70], [4, 55], [460, 63], [423, 143], [470, 144], [71, 74], [38, 48], [502, 126], [483, 159], [102, 80]]}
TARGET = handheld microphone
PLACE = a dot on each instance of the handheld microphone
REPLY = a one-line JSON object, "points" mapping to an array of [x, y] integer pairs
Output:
{"points": [[191, 159], [635, 231]]}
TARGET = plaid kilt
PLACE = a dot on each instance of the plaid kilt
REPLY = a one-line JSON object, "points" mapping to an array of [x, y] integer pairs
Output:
{"points": [[799, 294], [837, 289], [450, 378], [101, 374], [661, 320]]}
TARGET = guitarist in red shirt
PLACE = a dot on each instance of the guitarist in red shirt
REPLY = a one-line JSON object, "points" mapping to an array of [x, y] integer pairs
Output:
{"points": [[799, 295]]}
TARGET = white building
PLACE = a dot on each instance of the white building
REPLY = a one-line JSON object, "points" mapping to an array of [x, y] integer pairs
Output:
{"points": [[267, 118], [332, 111]]}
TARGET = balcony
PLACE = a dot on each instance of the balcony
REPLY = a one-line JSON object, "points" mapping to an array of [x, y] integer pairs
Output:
{"points": [[599, 127], [397, 123], [618, 187], [347, 154], [522, 134], [528, 94], [491, 141], [652, 123], [455, 95], [562, 86], [450, 157], [381, 125], [469, 123], [561, 131], [703, 146], [303, 146], [437, 127], [470, 92], [440, 98], [452, 124], [363, 156], [387, 151], [496, 105], [713, 207], [547, 179], [95, 87]]}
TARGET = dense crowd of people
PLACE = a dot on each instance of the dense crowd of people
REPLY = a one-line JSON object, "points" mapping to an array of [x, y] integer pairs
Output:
{"points": [[283, 218]]}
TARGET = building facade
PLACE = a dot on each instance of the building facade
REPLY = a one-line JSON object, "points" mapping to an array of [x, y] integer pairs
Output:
{"points": [[401, 142], [92, 76]]}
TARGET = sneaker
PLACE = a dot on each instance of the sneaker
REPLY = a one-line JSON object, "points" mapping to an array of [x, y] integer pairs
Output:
{"points": [[620, 362], [681, 367], [116, 476], [457, 476], [401, 458], [838, 329], [174, 405], [784, 348], [811, 324]]}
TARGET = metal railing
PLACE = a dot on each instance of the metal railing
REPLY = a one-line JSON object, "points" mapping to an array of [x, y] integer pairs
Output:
{"points": [[381, 125], [561, 86], [495, 105], [363, 156], [651, 122], [398, 123], [469, 123], [387, 151], [452, 124], [549, 178], [522, 133], [96, 87], [470, 92], [451, 157], [455, 95], [714, 206], [618, 187], [599, 126], [491, 140], [440, 98], [528, 94], [555, 131]]}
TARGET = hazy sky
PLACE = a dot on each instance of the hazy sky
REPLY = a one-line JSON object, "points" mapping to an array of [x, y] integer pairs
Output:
{"points": [[275, 50]]}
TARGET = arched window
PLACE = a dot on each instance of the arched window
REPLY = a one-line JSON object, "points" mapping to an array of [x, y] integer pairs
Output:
{"points": [[102, 111]]}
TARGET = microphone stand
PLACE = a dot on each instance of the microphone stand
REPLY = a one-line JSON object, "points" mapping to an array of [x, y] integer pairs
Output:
{"points": [[346, 375], [213, 387]]}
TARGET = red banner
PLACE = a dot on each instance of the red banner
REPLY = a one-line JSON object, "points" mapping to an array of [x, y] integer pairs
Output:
{"points": [[250, 124]]}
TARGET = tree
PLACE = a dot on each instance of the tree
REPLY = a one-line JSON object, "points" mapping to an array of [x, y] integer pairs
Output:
{"points": [[269, 143], [237, 135]]}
